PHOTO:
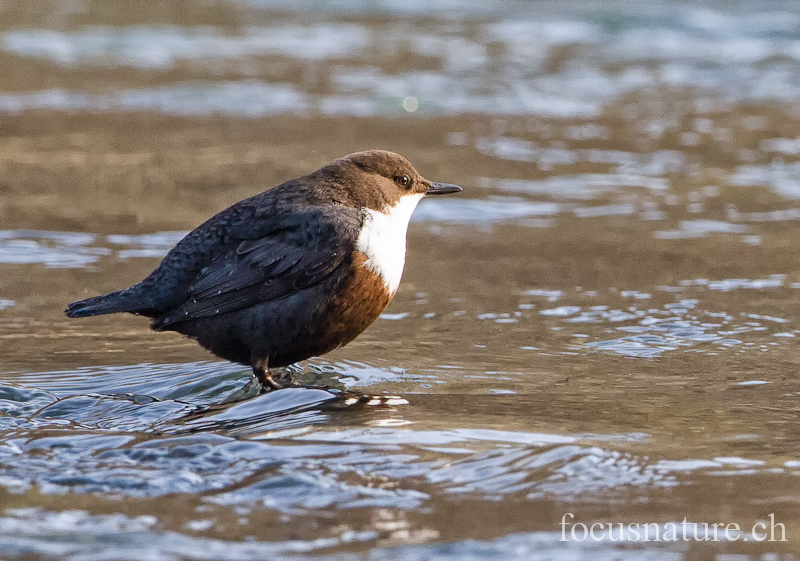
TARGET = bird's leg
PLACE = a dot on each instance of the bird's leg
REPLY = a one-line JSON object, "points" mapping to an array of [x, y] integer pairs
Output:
{"points": [[261, 372]]}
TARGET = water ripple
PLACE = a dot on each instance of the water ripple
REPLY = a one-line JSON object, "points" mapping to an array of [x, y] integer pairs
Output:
{"points": [[53, 249], [77, 535]]}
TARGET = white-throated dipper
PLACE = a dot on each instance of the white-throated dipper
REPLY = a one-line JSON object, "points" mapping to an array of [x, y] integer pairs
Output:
{"points": [[290, 273]]}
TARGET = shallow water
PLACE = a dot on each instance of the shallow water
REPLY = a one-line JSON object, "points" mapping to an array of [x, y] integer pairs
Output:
{"points": [[604, 324]]}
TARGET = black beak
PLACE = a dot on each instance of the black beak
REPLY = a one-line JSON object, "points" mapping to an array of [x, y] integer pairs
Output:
{"points": [[442, 189]]}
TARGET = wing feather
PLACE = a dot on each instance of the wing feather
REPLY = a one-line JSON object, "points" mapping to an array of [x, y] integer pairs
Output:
{"points": [[307, 248]]}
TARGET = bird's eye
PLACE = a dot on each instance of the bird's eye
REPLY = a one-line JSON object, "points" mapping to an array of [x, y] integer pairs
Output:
{"points": [[403, 180]]}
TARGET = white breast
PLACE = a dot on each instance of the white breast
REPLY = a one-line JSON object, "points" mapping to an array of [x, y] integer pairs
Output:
{"points": [[383, 240]]}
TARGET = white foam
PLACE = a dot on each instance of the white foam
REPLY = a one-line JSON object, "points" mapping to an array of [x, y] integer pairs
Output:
{"points": [[782, 178], [481, 211], [165, 46], [701, 229], [246, 98]]}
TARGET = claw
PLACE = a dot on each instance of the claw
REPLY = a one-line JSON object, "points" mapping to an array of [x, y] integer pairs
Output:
{"points": [[268, 384], [262, 374]]}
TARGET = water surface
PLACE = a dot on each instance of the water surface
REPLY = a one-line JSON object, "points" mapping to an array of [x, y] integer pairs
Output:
{"points": [[604, 323]]}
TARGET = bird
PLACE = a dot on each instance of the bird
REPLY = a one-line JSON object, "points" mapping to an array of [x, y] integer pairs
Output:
{"points": [[288, 274]]}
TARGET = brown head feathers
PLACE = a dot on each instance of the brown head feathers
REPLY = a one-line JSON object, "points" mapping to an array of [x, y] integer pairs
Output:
{"points": [[374, 179]]}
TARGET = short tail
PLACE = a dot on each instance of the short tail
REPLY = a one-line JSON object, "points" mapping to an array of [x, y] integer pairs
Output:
{"points": [[121, 301]]}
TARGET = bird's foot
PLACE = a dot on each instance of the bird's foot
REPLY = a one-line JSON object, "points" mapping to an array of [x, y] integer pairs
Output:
{"points": [[268, 384], [264, 376]]}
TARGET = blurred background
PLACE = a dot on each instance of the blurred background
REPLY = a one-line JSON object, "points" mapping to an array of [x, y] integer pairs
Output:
{"points": [[603, 323]]}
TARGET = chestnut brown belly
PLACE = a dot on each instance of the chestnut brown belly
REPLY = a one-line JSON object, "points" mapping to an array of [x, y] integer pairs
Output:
{"points": [[358, 302], [309, 322]]}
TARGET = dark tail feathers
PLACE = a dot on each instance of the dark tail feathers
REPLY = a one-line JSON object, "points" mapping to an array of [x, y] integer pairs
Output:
{"points": [[115, 302]]}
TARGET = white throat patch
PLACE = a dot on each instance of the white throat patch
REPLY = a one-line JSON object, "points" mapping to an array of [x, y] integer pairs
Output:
{"points": [[383, 240]]}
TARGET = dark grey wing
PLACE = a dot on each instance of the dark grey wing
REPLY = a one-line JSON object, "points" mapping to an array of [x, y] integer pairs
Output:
{"points": [[307, 247]]}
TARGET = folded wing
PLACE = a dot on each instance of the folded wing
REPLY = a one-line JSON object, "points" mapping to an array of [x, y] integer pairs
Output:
{"points": [[302, 252]]}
